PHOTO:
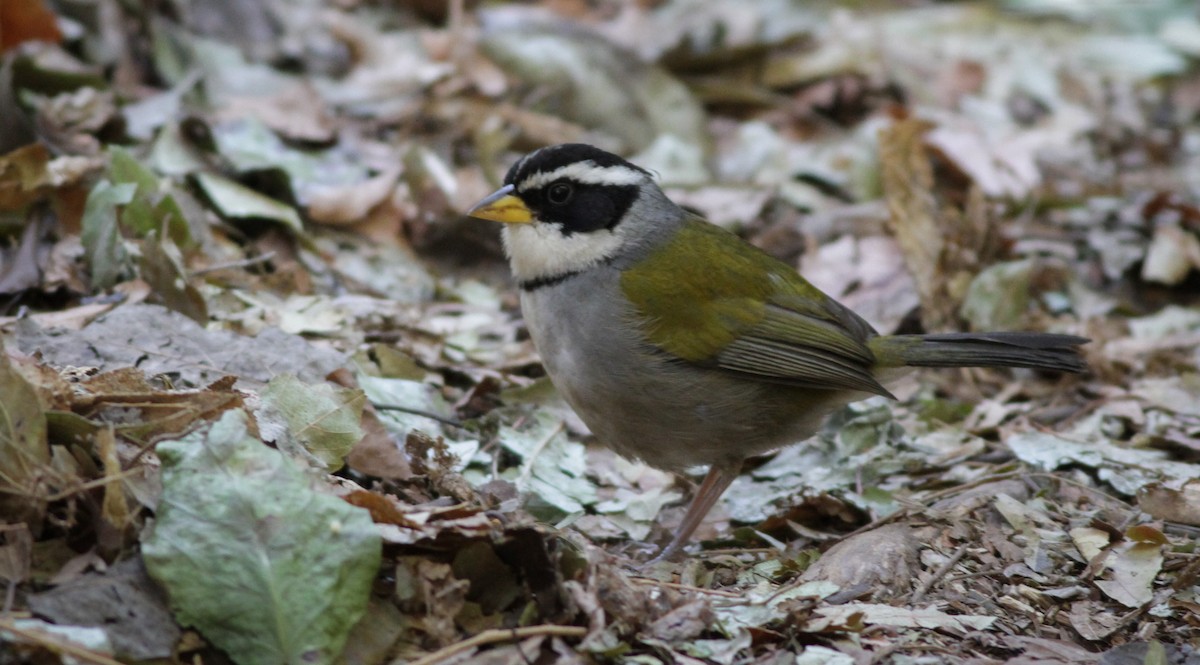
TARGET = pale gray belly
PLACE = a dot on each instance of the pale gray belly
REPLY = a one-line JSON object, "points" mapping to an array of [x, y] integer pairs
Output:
{"points": [[668, 413]]}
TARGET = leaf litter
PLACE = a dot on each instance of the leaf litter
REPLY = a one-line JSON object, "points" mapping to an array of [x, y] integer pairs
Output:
{"points": [[267, 396]]}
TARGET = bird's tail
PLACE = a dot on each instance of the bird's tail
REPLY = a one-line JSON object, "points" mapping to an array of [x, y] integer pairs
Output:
{"points": [[998, 349]]}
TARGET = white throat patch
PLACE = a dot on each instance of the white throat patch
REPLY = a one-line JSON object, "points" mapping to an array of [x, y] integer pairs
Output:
{"points": [[586, 173], [540, 250]]}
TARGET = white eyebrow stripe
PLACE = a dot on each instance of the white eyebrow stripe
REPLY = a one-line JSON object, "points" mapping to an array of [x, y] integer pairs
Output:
{"points": [[584, 172]]}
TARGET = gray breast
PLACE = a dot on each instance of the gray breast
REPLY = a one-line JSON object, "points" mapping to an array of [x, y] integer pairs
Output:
{"points": [[648, 406]]}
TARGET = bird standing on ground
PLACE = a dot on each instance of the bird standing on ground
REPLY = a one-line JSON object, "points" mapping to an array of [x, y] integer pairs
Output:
{"points": [[680, 344]]}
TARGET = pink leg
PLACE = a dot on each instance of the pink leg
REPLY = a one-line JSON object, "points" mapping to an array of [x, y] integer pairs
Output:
{"points": [[715, 483]]}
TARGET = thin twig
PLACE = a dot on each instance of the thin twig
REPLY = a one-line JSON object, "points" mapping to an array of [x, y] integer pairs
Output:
{"points": [[499, 635], [527, 467], [938, 574], [65, 648], [92, 484], [9, 597], [244, 263], [686, 587], [420, 412]]}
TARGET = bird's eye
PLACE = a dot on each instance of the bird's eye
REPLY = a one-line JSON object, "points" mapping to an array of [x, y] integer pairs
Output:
{"points": [[559, 193]]}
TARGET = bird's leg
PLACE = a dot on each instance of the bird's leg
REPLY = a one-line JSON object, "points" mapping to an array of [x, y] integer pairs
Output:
{"points": [[715, 483]]}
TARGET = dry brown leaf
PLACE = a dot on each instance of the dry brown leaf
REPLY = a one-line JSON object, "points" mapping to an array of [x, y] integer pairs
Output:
{"points": [[115, 506], [1180, 505], [378, 453], [27, 20], [298, 112], [908, 185], [944, 242], [1092, 621], [350, 204], [15, 552]]}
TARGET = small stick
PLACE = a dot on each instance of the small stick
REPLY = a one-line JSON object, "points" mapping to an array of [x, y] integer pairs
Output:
{"points": [[499, 635], [244, 263], [686, 587], [420, 412], [527, 466], [938, 574]]}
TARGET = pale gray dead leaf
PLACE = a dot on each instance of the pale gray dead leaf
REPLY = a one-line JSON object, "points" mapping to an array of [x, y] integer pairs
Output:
{"points": [[226, 72], [634, 511], [674, 161], [415, 398], [860, 444], [1090, 541], [1041, 534], [1126, 469], [883, 558], [867, 275], [160, 341], [249, 145], [1119, 249], [38, 632], [873, 614], [1163, 502], [765, 602], [1172, 255], [1181, 33], [312, 315], [145, 116], [1169, 320], [720, 651], [390, 270], [553, 468], [1130, 571], [1179, 395], [596, 83], [393, 69], [123, 602], [1000, 173], [948, 445], [815, 654], [727, 206], [708, 26], [1093, 620], [999, 298], [1131, 57]]}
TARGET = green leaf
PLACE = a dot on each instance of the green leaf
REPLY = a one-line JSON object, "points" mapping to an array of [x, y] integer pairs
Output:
{"points": [[318, 421], [104, 249], [153, 204], [23, 447], [553, 468], [998, 297], [123, 167], [268, 569], [162, 268], [240, 202], [249, 145]]}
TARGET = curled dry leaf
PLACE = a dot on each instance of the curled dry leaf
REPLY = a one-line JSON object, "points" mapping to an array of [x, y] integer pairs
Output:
{"points": [[884, 559]]}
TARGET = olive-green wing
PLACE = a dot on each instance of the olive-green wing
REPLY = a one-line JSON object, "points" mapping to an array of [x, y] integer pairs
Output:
{"points": [[711, 299]]}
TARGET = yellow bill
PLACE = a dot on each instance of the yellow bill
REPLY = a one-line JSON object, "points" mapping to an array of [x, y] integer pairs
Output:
{"points": [[502, 206]]}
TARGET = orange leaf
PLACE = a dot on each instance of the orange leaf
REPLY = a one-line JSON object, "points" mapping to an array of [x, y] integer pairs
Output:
{"points": [[26, 20]]}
